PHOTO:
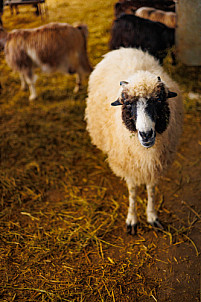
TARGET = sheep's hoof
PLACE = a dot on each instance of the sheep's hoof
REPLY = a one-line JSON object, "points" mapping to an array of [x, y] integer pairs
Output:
{"points": [[32, 98], [156, 224], [23, 87], [132, 229], [76, 89]]}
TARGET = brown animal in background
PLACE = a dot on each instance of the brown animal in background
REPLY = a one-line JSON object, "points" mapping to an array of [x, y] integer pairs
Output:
{"points": [[52, 47], [167, 18], [130, 6], [1, 12]]}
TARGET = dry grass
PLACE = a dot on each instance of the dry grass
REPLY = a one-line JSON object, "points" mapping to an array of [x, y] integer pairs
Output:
{"points": [[62, 210]]}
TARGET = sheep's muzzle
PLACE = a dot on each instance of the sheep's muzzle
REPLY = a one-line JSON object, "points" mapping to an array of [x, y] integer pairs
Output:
{"points": [[147, 139]]}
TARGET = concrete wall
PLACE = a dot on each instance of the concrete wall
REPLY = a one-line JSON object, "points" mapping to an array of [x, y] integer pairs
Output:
{"points": [[188, 32]]}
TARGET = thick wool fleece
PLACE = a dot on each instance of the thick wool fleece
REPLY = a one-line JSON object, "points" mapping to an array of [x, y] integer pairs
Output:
{"points": [[126, 156]]}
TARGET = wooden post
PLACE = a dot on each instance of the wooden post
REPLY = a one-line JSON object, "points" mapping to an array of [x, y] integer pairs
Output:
{"points": [[188, 32]]}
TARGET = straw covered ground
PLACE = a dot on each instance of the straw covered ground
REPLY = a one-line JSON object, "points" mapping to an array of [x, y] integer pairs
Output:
{"points": [[62, 219]]}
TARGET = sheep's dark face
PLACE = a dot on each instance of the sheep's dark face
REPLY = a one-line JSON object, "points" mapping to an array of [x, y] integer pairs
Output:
{"points": [[146, 116]]}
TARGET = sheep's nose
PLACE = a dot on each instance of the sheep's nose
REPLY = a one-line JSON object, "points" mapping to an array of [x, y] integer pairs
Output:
{"points": [[146, 135]]}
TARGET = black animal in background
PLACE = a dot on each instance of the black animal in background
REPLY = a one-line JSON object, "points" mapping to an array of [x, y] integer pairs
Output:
{"points": [[124, 7], [135, 32], [1, 12]]}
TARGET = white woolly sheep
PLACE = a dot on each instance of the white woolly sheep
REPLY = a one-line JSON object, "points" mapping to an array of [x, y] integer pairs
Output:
{"points": [[153, 14], [140, 136]]}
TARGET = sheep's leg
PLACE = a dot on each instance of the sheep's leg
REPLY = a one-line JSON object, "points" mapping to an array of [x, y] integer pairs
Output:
{"points": [[152, 217], [131, 220], [78, 84], [11, 9], [23, 82], [16, 9], [31, 79]]}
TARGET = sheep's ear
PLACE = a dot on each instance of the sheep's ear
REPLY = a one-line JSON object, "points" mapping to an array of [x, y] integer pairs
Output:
{"points": [[123, 83], [171, 94], [116, 103], [117, 5]]}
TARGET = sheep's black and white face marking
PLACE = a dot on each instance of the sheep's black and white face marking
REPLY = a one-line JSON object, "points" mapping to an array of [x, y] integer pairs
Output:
{"points": [[145, 122], [147, 116], [139, 114]]}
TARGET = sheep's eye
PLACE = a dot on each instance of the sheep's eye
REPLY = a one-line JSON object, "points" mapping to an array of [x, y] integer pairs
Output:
{"points": [[127, 103], [151, 101], [128, 106]]}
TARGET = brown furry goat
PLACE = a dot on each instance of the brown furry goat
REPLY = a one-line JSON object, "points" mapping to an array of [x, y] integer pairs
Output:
{"points": [[52, 47]]}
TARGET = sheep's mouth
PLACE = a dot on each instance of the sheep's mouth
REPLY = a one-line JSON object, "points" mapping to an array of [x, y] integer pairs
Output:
{"points": [[147, 138], [148, 144]]}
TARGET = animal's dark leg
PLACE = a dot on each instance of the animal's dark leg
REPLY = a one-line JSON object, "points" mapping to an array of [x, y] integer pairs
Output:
{"points": [[174, 61]]}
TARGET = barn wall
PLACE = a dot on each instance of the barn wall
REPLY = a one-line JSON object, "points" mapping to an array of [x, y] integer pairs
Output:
{"points": [[188, 32]]}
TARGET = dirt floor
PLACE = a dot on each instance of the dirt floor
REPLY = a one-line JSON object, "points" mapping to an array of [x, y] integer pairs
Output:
{"points": [[62, 210]]}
